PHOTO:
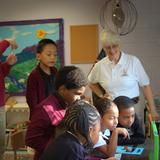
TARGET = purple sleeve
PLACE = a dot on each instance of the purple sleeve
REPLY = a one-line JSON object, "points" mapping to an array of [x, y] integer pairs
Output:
{"points": [[37, 135], [55, 114], [3, 46], [5, 68], [31, 92]]}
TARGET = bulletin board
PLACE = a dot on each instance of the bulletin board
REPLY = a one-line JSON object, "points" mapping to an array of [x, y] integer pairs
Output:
{"points": [[84, 43]]}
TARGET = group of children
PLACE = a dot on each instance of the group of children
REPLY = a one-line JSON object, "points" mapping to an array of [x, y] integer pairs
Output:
{"points": [[119, 126], [54, 98], [101, 127]]}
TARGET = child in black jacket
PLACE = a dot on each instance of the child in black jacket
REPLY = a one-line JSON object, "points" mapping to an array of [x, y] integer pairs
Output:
{"points": [[129, 120]]}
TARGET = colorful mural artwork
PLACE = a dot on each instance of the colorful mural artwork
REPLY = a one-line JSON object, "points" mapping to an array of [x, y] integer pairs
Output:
{"points": [[27, 34]]}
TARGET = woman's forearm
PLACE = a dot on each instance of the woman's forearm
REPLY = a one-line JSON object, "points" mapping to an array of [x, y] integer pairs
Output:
{"points": [[96, 89], [149, 97]]}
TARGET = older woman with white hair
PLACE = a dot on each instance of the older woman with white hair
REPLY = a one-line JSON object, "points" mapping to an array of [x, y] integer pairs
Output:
{"points": [[120, 74]]}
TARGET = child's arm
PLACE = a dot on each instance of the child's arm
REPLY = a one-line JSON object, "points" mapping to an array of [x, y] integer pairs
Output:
{"points": [[32, 92], [110, 148], [36, 136], [6, 66], [114, 139], [4, 44]]}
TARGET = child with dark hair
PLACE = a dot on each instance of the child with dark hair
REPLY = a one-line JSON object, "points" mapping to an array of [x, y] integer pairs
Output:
{"points": [[109, 119], [128, 119], [70, 83], [5, 68], [82, 124], [40, 83]]}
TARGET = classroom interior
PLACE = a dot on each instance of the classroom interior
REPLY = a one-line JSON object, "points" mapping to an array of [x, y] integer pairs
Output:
{"points": [[143, 42]]}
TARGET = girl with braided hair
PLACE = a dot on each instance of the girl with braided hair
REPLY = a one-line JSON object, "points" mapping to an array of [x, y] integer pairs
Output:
{"points": [[82, 124]]}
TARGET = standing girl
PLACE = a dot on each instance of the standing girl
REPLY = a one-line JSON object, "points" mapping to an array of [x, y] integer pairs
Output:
{"points": [[40, 82]]}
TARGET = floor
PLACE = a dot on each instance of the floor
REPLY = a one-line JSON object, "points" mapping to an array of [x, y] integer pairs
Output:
{"points": [[21, 155]]}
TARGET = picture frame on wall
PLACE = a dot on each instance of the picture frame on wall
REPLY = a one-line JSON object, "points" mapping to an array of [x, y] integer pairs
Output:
{"points": [[27, 34]]}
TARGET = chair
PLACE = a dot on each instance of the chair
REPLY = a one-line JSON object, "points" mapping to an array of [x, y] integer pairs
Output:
{"points": [[152, 133], [154, 153], [18, 141]]}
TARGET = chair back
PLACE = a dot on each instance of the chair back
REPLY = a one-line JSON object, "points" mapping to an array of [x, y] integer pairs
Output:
{"points": [[18, 139], [154, 153]]}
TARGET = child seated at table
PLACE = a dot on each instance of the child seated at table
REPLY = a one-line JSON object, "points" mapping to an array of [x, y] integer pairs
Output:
{"points": [[82, 124], [128, 119], [106, 147]]}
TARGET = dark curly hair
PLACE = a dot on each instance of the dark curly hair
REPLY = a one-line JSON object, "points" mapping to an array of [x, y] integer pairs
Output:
{"points": [[103, 105], [71, 77], [123, 102]]}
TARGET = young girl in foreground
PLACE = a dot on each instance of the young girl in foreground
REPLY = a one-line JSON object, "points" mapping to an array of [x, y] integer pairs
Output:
{"points": [[82, 122], [109, 120]]}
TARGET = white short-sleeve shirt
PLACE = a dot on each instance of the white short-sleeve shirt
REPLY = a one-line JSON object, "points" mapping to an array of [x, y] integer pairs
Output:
{"points": [[102, 137], [121, 79]]}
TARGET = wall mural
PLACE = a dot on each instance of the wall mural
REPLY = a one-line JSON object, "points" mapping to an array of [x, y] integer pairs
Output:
{"points": [[27, 34]]}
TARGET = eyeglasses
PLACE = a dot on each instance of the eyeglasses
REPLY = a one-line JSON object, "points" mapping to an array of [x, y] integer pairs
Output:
{"points": [[114, 46]]}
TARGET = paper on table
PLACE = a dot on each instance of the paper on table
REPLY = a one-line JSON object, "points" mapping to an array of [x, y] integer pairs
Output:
{"points": [[118, 156]]}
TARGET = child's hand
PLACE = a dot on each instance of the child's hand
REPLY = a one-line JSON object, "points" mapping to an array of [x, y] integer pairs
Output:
{"points": [[13, 43], [127, 149], [124, 132], [11, 59]]}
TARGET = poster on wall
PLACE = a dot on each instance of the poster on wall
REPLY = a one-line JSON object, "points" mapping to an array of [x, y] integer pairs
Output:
{"points": [[27, 34]]}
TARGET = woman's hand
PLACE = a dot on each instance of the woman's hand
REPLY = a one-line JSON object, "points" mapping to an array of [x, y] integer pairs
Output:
{"points": [[155, 115]]}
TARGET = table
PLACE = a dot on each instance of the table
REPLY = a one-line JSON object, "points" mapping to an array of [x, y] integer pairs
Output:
{"points": [[145, 154]]}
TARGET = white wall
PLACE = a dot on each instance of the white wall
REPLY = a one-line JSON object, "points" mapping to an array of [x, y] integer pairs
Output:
{"points": [[143, 42], [74, 12]]}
